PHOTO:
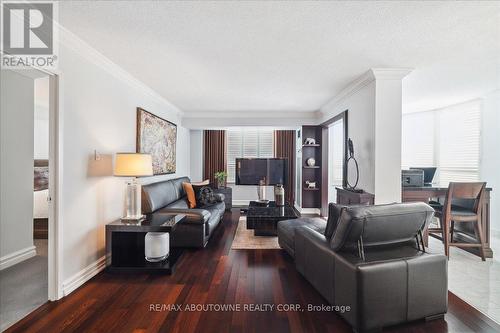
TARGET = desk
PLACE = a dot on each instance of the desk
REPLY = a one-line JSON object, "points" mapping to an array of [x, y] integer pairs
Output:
{"points": [[424, 193]]}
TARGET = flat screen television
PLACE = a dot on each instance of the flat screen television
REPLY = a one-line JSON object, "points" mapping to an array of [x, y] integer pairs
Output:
{"points": [[249, 171]]}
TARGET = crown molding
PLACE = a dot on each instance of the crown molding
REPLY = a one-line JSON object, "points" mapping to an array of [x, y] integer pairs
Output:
{"points": [[83, 49], [365, 79], [390, 73], [223, 119], [250, 114], [350, 90]]}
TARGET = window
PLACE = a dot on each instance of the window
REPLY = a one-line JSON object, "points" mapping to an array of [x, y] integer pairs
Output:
{"points": [[447, 138], [251, 142], [335, 158]]}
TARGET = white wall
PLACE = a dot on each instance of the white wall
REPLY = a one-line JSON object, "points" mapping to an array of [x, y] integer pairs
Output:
{"points": [[16, 166], [41, 126], [196, 155], [361, 128], [98, 110], [490, 155]]}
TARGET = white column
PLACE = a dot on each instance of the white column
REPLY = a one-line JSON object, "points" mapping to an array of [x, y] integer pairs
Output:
{"points": [[375, 107], [388, 111]]}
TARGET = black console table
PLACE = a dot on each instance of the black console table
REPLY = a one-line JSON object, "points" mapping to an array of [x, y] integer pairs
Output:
{"points": [[125, 244], [264, 219]]}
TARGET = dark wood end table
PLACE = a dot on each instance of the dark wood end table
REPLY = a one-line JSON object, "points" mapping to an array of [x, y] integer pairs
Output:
{"points": [[125, 244]]}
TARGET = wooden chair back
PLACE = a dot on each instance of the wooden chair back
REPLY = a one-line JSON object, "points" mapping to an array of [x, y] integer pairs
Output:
{"points": [[471, 191]]}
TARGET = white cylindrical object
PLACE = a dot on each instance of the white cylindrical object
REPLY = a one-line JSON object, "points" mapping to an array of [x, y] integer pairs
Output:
{"points": [[156, 246]]}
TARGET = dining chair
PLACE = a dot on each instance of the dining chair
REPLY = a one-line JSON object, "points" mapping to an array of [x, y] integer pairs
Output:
{"points": [[454, 211]]}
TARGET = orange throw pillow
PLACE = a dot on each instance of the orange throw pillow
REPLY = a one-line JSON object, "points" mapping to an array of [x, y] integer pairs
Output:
{"points": [[188, 188]]}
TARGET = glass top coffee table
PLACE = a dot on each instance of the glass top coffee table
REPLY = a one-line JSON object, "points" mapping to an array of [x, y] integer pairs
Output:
{"points": [[264, 219]]}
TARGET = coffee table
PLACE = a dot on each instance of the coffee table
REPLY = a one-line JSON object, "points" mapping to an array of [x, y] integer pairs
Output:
{"points": [[125, 244], [264, 219]]}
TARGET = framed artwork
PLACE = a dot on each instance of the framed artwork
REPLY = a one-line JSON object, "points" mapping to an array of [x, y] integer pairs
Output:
{"points": [[158, 137]]}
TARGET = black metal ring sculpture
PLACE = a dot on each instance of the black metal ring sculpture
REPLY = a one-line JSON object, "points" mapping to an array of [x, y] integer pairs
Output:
{"points": [[357, 172]]}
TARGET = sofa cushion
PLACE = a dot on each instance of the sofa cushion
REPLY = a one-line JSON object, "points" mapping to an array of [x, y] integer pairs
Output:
{"points": [[286, 231], [178, 185], [380, 225], [333, 217], [334, 212], [191, 199], [195, 215], [218, 207], [160, 194], [181, 204], [217, 211]]}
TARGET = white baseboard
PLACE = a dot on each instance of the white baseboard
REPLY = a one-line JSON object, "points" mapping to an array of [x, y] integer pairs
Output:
{"points": [[241, 202], [84, 275], [316, 211], [17, 257]]}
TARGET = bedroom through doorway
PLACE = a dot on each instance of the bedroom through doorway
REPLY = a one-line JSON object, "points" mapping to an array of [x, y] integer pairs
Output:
{"points": [[25, 198]]}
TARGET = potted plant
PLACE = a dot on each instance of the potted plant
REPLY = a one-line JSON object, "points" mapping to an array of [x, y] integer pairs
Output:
{"points": [[221, 177]]}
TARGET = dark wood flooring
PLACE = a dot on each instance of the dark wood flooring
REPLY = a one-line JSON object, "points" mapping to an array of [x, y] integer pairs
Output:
{"points": [[215, 275]]}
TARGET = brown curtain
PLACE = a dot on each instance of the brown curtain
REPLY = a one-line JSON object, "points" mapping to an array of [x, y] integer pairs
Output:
{"points": [[215, 156], [284, 147]]}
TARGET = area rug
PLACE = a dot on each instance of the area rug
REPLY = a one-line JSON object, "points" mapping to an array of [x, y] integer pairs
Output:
{"points": [[245, 239]]}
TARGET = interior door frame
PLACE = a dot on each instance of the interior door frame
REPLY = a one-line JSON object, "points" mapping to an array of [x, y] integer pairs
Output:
{"points": [[55, 290], [324, 156]]}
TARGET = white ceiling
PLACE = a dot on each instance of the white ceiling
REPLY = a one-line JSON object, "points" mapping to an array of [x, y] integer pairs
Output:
{"points": [[293, 56]]}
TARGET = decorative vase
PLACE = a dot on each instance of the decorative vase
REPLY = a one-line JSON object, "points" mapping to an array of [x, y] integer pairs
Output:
{"points": [[311, 162], [279, 195]]}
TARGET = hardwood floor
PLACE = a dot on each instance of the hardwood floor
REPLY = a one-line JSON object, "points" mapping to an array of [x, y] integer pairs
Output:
{"points": [[213, 276]]}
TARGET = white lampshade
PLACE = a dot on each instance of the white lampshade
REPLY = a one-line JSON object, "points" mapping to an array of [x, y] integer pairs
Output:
{"points": [[133, 165]]}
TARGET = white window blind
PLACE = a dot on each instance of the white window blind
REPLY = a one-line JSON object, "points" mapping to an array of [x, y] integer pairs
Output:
{"points": [[246, 143], [336, 153], [459, 143], [418, 140], [447, 138]]}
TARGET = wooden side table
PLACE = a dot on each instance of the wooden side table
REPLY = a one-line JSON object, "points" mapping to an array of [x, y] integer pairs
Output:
{"points": [[125, 244], [346, 197]]}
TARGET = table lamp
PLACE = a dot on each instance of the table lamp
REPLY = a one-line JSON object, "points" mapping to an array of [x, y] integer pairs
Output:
{"points": [[133, 165]]}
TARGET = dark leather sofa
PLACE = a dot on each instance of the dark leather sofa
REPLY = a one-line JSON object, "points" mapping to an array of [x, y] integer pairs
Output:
{"points": [[169, 197], [370, 259]]}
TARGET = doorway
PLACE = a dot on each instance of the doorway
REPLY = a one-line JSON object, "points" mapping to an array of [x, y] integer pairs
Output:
{"points": [[26, 177], [335, 132], [335, 158]]}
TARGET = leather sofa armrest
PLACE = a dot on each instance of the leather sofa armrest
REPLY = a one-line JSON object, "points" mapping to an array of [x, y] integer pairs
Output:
{"points": [[195, 216], [219, 197], [310, 237], [315, 260]]}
